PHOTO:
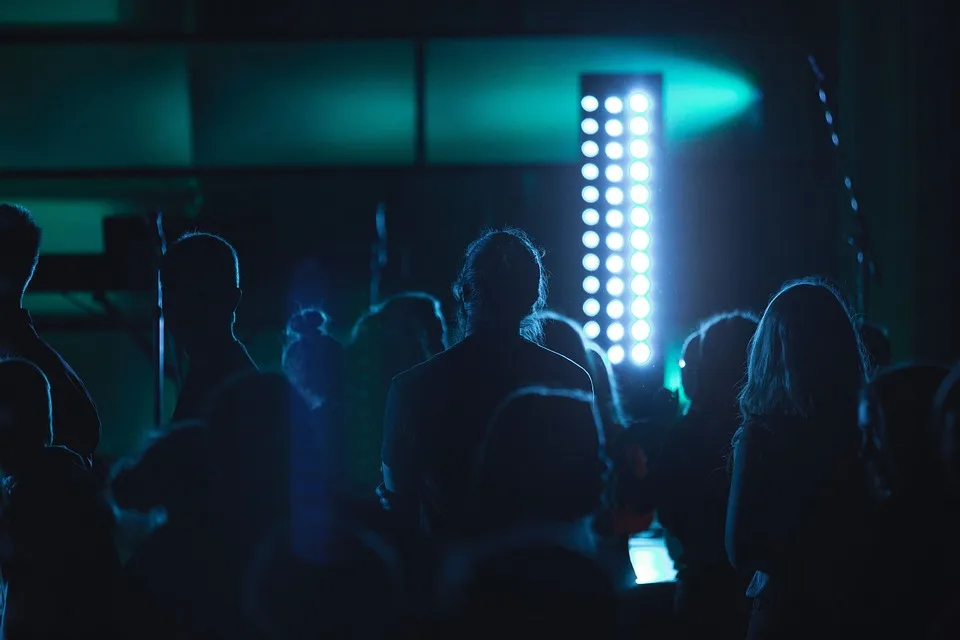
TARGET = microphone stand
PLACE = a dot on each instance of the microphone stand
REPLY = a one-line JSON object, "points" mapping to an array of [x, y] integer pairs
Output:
{"points": [[868, 271], [159, 333], [378, 258]]}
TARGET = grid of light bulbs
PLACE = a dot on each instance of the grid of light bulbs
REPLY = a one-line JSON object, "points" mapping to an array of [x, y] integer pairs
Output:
{"points": [[616, 148]]}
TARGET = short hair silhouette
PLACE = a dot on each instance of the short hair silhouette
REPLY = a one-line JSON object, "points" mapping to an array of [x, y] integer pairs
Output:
{"points": [[724, 344], [502, 284], [896, 410], [408, 313], [561, 334], [313, 361], [19, 247], [26, 412], [689, 364], [200, 263], [805, 355]]}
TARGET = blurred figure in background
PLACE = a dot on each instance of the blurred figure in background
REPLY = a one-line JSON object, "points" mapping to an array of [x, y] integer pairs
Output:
{"points": [[314, 362], [798, 502], [397, 334], [876, 342], [76, 421], [690, 367], [438, 412]]}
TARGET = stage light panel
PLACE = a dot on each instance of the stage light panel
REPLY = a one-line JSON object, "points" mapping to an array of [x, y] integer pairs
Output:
{"points": [[620, 141]]}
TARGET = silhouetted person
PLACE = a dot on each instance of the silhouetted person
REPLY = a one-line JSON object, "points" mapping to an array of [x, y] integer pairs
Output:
{"points": [[76, 421], [313, 361], [437, 413], [692, 485], [391, 337], [895, 415], [542, 461], [201, 292], [945, 426], [58, 561], [689, 365], [798, 499]]}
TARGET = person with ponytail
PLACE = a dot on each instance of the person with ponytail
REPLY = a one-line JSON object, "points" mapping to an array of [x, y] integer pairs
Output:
{"points": [[437, 413], [312, 360]]}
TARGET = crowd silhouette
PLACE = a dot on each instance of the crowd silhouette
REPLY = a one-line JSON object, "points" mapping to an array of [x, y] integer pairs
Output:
{"points": [[482, 479]]}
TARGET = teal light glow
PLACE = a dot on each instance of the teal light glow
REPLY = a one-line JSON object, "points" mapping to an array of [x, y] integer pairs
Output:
{"points": [[64, 12], [671, 370], [517, 100], [71, 226]]}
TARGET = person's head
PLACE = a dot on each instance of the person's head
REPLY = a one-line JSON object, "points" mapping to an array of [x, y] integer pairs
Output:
{"points": [[19, 252], [200, 274], [946, 428], [689, 365], [26, 425], [544, 449], [805, 359], [724, 343], [896, 409], [408, 327], [561, 334], [877, 345], [502, 285], [313, 361]]}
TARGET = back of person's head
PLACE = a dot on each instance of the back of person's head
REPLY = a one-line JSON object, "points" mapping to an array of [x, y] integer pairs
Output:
{"points": [[690, 365], [895, 413], [25, 412], [402, 331], [877, 345], [543, 458], [313, 361], [724, 343], [200, 273], [251, 421], [561, 334], [536, 591], [805, 359], [502, 284], [19, 251], [946, 428]]}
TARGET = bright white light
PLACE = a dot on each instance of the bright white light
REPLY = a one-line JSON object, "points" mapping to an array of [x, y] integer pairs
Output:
{"points": [[614, 173], [591, 216], [641, 353], [591, 329], [591, 262], [613, 104], [589, 126], [613, 128], [639, 239], [614, 150], [591, 284], [639, 149], [614, 196], [615, 218], [639, 126], [614, 263], [640, 171], [615, 286], [590, 148], [615, 241], [591, 307], [615, 354], [589, 104], [639, 102], [640, 308], [640, 262], [615, 332], [640, 330], [590, 194], [682, 363], [615, 309], [590, 171], [640, 285], [640, 194], [591, 239], [640, 216]]}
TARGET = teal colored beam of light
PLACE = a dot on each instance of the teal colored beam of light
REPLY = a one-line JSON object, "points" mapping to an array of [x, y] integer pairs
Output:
{"points": [[59, 12], [517, 100]]}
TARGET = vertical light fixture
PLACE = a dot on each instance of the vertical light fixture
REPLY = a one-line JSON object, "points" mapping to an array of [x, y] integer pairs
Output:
{"points": [[620, 143]]}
